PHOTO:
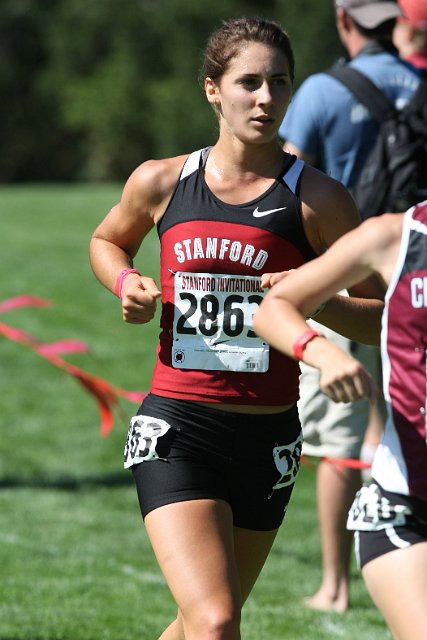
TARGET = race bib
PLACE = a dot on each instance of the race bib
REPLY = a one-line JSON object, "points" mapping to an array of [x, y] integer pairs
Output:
{"points": [[371, 511], [212, 328]]}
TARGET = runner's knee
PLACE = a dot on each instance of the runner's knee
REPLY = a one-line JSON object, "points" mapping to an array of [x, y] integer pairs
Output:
{"points": [[214, 622]]}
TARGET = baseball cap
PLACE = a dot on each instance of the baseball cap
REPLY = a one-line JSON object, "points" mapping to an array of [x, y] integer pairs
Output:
{"points": [[415, 12], [370, 14]]}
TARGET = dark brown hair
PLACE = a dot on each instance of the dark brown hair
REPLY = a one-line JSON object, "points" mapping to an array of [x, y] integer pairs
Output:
{"points": [[225, 42]]}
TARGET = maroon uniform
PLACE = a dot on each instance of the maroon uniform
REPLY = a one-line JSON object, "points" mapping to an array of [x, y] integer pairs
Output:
{"points": [[391, 512], [400, 465]]}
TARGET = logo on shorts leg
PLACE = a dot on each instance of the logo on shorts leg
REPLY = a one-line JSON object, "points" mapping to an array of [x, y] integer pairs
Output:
{"points": [[371, 511], [287, 461], [143, 435]]}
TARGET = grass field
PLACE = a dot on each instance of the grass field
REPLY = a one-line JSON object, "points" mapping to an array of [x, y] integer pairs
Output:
{"points": [[75, 561]]}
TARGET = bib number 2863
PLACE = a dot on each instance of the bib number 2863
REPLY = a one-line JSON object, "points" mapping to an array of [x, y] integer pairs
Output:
{"points": [[213, 323]]}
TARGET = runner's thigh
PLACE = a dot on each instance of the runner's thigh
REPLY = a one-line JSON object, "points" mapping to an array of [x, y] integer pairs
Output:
{"points": [[397, 582], [193, 543]]}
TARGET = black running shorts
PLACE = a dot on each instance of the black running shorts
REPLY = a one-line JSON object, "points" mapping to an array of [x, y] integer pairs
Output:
{"points": [[373, 544], [180, 450]]}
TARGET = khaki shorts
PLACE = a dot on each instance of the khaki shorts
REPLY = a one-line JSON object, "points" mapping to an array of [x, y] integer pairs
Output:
{"points": [[333, 429]]}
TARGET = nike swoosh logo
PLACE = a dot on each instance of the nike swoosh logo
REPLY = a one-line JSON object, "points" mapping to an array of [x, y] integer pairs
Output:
{"points": [[260, 214]]}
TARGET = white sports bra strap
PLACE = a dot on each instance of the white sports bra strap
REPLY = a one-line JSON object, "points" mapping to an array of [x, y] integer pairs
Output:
{"points": [[291, 177]]}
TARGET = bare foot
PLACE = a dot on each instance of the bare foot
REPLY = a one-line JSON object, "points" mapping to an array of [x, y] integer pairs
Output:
{"points": [[321, 602]]}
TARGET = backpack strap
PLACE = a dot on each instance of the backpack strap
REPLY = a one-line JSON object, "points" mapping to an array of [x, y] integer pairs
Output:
{"points": [[365, 91], [419, 101]]}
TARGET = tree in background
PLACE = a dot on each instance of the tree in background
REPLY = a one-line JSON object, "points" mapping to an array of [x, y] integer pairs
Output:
{"points": [[91, 88], [34, 143]]}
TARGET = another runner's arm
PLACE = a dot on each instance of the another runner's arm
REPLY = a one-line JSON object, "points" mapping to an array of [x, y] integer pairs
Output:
{"points": [[370, 248], [329, 212]]}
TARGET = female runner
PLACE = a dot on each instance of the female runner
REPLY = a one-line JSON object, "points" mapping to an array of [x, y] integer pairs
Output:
{"points": [[215, 446]]}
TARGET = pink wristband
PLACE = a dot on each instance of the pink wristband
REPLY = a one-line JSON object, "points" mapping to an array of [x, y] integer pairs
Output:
{"points": [[300, 343], [120, 280]]}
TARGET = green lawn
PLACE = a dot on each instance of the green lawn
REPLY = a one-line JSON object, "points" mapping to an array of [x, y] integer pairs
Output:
{"points": [[75, 561]]}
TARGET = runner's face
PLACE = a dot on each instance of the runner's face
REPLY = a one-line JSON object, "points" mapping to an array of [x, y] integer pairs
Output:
{"points": [[254, 93]]}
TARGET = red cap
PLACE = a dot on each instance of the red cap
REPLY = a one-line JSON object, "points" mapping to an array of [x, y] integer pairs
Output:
{"points": [[416, 12]]}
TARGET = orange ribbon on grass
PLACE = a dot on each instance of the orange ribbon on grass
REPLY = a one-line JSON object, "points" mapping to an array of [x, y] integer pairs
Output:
{"points": [[104, 392]]}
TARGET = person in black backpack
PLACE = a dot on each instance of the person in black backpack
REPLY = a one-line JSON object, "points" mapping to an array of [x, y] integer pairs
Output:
{"points": [[394, 172], [327, 126]]}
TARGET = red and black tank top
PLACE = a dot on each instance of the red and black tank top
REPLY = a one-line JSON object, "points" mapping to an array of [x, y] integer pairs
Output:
{"points": [[212, 257]]}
